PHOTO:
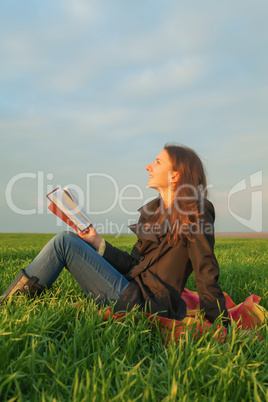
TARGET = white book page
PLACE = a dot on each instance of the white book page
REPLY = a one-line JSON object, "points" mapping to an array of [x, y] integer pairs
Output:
{"points": [[65, 200]]}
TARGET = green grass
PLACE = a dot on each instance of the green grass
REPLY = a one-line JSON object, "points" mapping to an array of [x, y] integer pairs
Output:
{"points": [[52, 351]]}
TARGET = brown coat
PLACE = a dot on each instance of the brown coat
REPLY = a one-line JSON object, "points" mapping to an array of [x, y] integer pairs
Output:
{"points": [[158, 272]]}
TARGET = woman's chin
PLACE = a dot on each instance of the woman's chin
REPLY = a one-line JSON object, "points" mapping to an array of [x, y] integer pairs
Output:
{"points": [[154, 186]]}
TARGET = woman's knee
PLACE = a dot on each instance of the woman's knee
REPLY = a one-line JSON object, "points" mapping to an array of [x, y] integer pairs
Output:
{"points": [[64, 239]]}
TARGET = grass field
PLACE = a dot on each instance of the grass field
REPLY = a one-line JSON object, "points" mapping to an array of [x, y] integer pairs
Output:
{"points": [[52, 351]]}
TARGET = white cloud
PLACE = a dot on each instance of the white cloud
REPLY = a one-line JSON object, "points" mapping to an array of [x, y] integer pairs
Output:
{"points": [[100, 121], [81, 10], [170, 76]]}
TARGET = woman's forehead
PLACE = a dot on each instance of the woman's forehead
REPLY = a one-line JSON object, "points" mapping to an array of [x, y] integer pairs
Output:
{"points": [[163, 156]]}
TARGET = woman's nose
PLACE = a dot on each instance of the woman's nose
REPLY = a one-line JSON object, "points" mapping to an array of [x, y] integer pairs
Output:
{"points": [[148, 168]]}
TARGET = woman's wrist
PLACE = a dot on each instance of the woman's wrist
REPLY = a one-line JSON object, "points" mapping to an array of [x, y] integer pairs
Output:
{"points": [[97, 242]]}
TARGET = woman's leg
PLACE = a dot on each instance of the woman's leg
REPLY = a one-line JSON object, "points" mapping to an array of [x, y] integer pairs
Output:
{"points": [[93, 273]]}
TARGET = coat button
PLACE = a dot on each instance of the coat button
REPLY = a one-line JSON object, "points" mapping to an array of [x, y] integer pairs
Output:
{"points": [[141, 257]]}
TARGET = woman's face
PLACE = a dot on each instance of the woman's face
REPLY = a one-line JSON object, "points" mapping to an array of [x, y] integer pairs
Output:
{"points": [[161, 172]]}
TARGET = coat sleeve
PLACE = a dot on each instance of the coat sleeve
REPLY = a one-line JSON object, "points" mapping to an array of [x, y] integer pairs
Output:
{"points": [[206, 268], [119, 259]]}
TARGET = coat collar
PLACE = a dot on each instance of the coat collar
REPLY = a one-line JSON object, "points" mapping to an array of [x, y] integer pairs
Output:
{"points": [[149, 209], [146, 212], [141, 229]]}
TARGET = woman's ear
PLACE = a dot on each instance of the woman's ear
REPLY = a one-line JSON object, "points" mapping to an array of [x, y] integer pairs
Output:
{"points": [[175, 177]]}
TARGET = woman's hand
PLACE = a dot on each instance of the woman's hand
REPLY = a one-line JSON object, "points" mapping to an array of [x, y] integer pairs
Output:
{"points": [[91, 236]]}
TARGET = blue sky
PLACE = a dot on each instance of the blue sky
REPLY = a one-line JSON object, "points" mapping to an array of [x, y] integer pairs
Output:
{"points": [[98, 87]]}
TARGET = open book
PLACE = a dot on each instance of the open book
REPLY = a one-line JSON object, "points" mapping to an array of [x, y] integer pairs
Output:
{"points": [[66, 206]]}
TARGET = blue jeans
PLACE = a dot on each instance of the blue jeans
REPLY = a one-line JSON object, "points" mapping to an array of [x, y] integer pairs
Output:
{"points": [[93, 273]]}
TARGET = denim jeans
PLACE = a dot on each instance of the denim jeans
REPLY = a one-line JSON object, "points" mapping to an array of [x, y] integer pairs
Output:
{"points": [[93, 273]]}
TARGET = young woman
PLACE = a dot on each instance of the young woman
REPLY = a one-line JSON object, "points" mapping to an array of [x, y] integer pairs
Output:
{"points": [[175, 236]]}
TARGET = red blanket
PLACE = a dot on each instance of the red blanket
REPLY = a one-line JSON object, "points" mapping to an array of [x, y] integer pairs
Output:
{"points": [[247, 315]]}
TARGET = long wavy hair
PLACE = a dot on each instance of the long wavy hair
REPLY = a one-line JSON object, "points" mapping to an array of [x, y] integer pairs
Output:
{"points": [[189, 194]]}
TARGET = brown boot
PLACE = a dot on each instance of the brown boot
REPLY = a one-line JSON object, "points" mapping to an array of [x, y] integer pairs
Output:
{"points": [[22, 284]]}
